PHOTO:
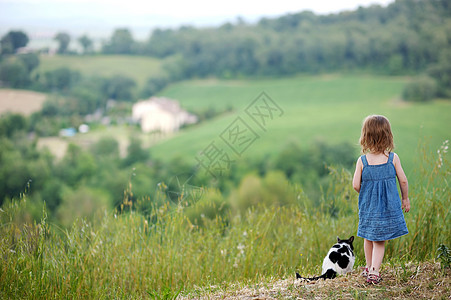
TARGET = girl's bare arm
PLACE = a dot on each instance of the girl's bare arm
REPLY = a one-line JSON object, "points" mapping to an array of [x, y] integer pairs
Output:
{"points": [[403, 183], [357, 175]]}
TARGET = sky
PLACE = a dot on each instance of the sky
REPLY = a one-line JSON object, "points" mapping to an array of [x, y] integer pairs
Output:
{"points": [[41, 18]]}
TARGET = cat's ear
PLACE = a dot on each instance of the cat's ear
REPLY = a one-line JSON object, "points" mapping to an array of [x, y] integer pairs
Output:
{"points": [[338, 239], [351, 239]]}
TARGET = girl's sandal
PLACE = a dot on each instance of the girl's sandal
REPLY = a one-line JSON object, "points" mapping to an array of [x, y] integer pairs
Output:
{"points": [[374, 278], [364, 272]]}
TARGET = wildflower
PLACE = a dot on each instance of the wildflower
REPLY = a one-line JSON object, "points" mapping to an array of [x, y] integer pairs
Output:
{"points": [[299, 232], [241, 247], [245, 234]]}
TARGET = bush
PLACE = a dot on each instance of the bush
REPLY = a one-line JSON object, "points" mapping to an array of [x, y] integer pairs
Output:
{"points": [[421, 89], [61, 79], [14, 74], [442, 74], [211, 205], [82, 203]]}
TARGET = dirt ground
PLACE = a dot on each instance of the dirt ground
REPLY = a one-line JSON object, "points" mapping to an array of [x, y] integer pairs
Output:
{"points": [[411, 281]]}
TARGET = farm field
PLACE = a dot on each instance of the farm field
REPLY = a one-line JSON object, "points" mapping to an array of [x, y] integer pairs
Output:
{"points": [[329, 108], [20, 101], [136, 67]]}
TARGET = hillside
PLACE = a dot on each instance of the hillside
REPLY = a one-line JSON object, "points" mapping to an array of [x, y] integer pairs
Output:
{"points": [[136, 67], [328, 108]]}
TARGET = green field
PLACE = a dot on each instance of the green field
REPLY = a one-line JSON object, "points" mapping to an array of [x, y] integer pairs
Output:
{"points": [[138, 68], [328, 108]]}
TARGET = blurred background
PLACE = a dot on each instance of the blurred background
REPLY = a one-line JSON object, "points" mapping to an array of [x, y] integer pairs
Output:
{"points": [[101, 99]]}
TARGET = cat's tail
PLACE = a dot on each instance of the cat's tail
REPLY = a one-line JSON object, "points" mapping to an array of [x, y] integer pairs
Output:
{"points": [[330, 274]]}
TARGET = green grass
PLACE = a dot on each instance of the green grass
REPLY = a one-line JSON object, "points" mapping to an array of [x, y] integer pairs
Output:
{"points": [[329, 108], [139, 68]]}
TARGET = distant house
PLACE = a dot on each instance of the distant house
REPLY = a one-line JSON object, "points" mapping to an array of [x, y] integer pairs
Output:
{"points": [[161, 114]]}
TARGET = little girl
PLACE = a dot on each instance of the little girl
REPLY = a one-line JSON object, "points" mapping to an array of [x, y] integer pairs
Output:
{"points": [[380, 209]]}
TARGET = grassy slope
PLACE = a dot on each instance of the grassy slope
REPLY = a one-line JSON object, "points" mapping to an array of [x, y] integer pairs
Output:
{"points": [[136, 67], [330, 108]]}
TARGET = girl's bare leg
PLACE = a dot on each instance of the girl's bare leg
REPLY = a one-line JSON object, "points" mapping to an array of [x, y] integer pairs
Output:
{"points": [[368, 249], [378, 255]]}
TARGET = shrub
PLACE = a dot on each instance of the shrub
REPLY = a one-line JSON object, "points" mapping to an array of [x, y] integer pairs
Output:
{"points": [[211, 205], [14, 74], [421, 89], [82, 203]]}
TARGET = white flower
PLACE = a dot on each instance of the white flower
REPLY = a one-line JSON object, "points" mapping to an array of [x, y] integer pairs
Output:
{"points": [[299, 232], [241, 247]]}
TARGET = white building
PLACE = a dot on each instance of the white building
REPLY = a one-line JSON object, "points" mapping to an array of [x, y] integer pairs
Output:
{"points": [[161, 114]]}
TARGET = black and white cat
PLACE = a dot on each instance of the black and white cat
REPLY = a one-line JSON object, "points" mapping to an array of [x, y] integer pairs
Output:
{"points": [[339, 260]]}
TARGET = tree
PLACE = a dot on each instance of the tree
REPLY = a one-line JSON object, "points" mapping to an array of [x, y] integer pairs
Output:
{"points": [[14, 74], [135, 152], [119, 88], [30, 60], [12, 41], [105, 148], [61, 78], [121, 42], [86, 43], [11, 123], [64, 40]]}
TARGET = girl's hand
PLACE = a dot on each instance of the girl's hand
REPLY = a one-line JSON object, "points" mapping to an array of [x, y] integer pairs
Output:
{"points": [[405, 205]]}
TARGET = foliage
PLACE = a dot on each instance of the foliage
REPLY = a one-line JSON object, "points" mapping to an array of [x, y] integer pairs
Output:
{"points": [[105, 148], [12, 41], [441, 72], [121, 42], [84, 202], [110, 256], [135, 152], [14, 73], [12, 123], [22, 165], [63, 39], [271, 191], [86, 43], [403, 37], [444, 255], [209, 207], [421, 89], [61, 79], [154, 85], [119, 87], [31, 60]]}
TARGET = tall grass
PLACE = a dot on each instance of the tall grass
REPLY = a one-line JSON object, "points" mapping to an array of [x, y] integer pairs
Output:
{"points": [[161, 252]]}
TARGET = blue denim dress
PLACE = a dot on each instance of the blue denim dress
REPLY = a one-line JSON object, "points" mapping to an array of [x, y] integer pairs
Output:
{"points": [[380, 213]]}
